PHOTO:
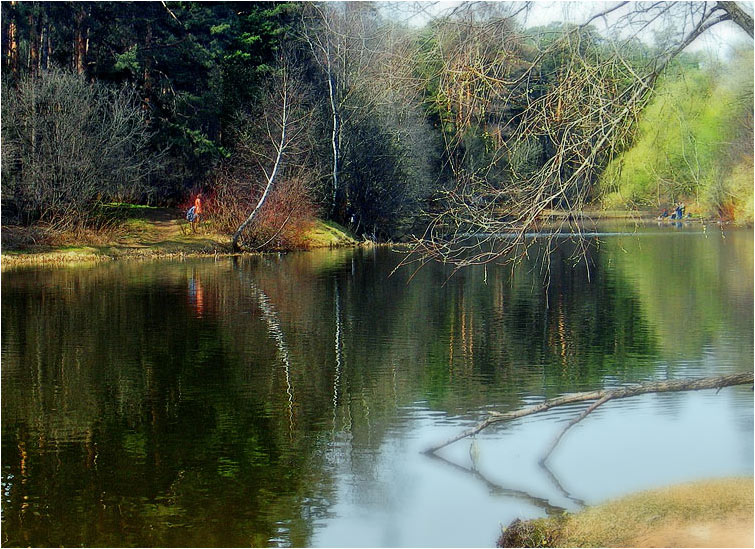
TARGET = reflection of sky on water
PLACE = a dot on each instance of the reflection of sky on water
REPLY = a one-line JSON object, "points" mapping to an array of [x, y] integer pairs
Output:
{"points": [[625, 446]]}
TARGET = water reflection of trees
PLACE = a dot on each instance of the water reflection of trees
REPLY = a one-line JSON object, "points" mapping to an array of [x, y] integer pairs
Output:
{"points": [[691, 288], [123, 422], [130, 416]]}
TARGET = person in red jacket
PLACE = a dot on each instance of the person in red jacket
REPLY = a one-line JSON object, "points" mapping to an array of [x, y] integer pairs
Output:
{"points": [[197, 212]]}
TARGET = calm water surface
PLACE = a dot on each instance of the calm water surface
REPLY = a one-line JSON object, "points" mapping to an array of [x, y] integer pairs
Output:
{"points": [[284, 401]]}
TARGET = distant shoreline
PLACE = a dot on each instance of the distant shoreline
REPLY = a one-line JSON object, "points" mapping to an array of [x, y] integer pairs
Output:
{"points": [[160, 234], [149, 233]]}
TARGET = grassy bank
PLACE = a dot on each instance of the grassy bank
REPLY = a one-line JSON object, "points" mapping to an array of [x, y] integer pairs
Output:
{"points": [[716, 513], [142, 232]]}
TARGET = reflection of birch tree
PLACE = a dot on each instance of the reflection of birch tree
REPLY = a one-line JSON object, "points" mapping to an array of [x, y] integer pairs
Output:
{"points": [[270, 316], [338, 349]]}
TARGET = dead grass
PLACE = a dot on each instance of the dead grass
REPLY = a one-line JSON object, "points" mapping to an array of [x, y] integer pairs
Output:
{"points": [[703, 514], [141, 233]]}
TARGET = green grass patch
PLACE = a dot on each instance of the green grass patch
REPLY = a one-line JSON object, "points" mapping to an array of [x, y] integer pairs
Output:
{"points": [[327, 234], [156, 232], [128, 207]]}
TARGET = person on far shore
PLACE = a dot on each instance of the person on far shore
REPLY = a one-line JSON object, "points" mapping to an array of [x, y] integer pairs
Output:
{"points": [[197, 212]]}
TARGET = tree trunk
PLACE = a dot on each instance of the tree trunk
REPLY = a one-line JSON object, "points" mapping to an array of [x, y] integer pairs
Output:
{"points": [[13, 41], [80, 40], [43, 38], [271, 179], [48, 57], [33, 42], [335, 141], [602, 396], [738, 16], [323, 55]]}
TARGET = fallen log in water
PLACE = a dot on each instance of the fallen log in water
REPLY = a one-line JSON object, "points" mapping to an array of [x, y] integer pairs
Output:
{"points": [[601, 397]]}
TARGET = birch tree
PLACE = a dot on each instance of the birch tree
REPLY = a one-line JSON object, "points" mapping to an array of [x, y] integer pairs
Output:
{"points": [[318, 24], [345, 42], [379, 140], [283, 123]]}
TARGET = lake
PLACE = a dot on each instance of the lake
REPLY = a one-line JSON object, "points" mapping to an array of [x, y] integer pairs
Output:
{"points": [[285, 400]]}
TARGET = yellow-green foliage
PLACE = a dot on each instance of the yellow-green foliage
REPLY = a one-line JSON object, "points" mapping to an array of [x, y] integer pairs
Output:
{"points": [[740, 185], [694, 144]]}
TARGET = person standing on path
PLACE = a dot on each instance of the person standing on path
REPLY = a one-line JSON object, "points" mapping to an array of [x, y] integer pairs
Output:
{"points": [[197, 212]]}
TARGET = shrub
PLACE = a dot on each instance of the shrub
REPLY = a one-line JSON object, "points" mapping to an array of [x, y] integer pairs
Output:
{"points": [[69, 145], [284, 216]]}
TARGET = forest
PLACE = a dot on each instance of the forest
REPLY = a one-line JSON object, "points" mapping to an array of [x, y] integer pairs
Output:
{"points": [[280, 113]]}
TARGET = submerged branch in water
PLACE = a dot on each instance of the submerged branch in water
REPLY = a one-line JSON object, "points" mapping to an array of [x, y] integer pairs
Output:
{"points": [[601, 396]]}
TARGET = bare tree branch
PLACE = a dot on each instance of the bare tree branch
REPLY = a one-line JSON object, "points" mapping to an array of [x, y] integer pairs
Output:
{"points": [[572, 423], [568, 132], [607, 394], [738, 16]]}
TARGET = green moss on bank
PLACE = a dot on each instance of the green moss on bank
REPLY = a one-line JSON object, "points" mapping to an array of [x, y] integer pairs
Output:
{"points": [[632, 521], [327, 234]]}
